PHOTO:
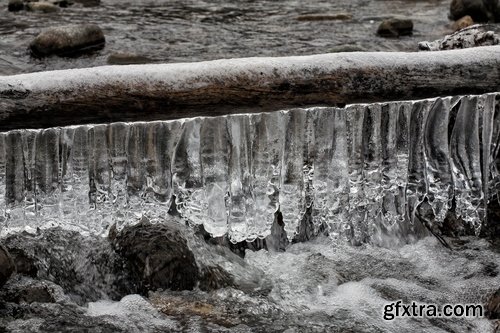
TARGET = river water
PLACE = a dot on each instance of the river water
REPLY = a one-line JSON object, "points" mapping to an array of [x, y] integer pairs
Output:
{"points": [[193, 30]]}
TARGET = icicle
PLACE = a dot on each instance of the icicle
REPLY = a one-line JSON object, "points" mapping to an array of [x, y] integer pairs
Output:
{"points": [[3, 161], [241, 203], [100, 180], [416, 188], [356, 230], [292, 188], [214, 153], [439, 183], [187, 174], [466, 158], [267, 151], [117, 135]]}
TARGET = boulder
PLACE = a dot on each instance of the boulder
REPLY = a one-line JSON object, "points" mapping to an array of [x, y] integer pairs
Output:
{"points": [[478, 10], [157, 256], [462, 23], [42, 7], [7, 266], [68, 40], [15, 5], [395, 27]]}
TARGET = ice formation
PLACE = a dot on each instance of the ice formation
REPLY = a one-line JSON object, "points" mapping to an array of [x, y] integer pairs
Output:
{"points": [[355, 169]]}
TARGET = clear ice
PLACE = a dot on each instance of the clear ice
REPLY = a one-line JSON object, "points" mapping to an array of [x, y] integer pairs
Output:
{"points": [[355, 170]]}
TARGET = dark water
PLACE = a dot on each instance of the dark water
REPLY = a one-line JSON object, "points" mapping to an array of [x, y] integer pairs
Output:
{"points": [[195, 30]]}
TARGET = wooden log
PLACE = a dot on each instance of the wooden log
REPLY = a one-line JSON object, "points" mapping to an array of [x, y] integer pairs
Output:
{"points": [[170, 91]]}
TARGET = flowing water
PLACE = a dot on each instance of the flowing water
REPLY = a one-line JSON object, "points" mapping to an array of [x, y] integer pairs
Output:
{"points": [[193, 30]]}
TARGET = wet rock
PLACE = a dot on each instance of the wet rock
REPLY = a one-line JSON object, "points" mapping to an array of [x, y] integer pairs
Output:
{"points": [[395, 27], [472, 36], [7, 266], [25, 264], [22, 289], [87, 268], [492, 306], [325, 17], [127, 59], [15, 5], [462, 23], [88, 3], [68, 40], [157, 256], [478, 10], [42, 6]]}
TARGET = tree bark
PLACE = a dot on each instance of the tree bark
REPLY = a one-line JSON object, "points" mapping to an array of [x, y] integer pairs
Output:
{"points": [[170, 91]]}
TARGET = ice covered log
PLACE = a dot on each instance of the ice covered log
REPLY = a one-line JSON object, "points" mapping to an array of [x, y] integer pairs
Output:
{"points": [[170, 91]]}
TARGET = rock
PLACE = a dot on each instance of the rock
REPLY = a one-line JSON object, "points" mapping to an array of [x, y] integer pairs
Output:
{"points": [[492, 306], [472, 36], [325, 17], [7, 266], [86, 267], [25, 264], [127, 59], [68, 40], [157, 256], [462, 23], [42, 6], [22, 289], [395, 27], [15, 5], [478, 10], [88, 3]]}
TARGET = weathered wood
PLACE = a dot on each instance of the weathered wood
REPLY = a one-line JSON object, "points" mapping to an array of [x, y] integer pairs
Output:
{"points": [[169, 91]]}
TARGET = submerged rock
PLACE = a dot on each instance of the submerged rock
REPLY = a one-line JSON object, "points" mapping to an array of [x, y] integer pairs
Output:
{"points": [[395, 27], [7, 266], [15, 5], [157, 256], [478, 10], [325, 17], [88, 3], [42, 6], [68, 40], [127, 59]]}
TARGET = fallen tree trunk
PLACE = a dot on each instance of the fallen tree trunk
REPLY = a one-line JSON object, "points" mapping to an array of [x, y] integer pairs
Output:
{"points": [[169, 91]]}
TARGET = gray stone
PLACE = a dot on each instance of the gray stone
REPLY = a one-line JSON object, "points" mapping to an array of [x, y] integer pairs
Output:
{"points": [[42, 6], [7, 266], [68, 40], [157, 256], [395, 27]]}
